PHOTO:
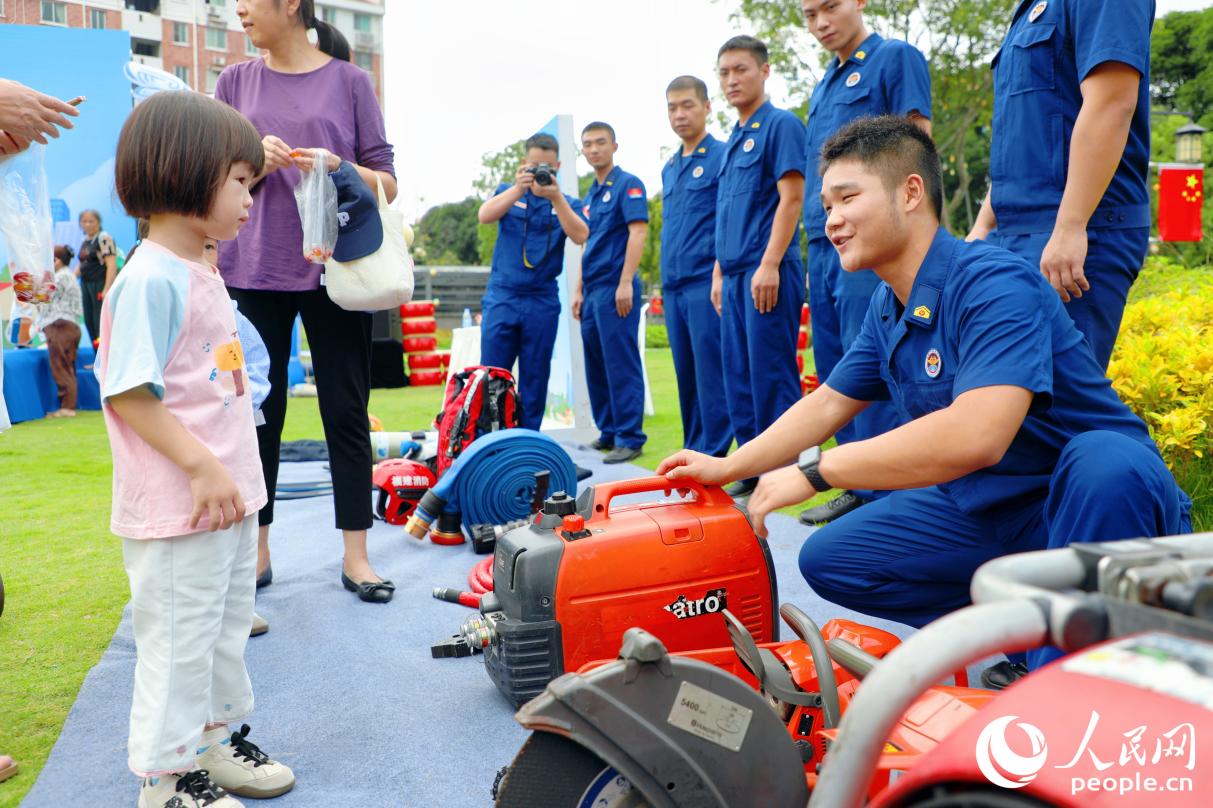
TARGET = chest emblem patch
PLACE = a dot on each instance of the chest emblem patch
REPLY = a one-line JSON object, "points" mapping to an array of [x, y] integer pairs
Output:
{"points": [[1037, 10], [606, 197], [748, 146], [934, 363], [853, 79], [698, 172]]}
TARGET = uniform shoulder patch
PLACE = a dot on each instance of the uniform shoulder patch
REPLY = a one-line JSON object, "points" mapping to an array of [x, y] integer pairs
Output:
{"points": [[635, 193]]}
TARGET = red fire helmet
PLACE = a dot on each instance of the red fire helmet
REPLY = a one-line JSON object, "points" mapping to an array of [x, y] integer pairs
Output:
{"points": [[401, 484]]}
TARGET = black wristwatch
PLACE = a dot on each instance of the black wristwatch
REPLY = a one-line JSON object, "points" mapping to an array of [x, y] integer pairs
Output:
{"points": [[810, 459]]}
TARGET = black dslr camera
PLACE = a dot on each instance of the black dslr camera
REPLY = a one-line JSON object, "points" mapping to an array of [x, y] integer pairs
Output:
{"points": [[545, 173]]}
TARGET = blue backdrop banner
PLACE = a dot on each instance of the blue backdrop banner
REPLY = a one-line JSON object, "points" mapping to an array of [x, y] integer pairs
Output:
{"points": [[65, 63]]}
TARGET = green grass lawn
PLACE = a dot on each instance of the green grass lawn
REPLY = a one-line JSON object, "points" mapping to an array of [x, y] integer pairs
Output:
{"points": [[64, 583]]}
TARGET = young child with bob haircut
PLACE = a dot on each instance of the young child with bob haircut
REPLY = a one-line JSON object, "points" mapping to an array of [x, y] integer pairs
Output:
{"points": [[178, 407]]}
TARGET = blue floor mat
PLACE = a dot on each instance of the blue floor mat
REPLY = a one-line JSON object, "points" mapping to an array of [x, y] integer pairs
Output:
{"points": [[347, 693]]}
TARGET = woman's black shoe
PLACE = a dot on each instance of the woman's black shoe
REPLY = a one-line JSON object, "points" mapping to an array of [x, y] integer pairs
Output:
{"points": [[370, 591], [266, 578]]}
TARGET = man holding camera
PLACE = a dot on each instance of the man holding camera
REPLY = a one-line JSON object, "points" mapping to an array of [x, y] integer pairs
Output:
{"points": [[607, 298], [521, 306]]}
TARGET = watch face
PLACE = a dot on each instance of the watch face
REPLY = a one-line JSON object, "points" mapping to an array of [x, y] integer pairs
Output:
{"points": [[810, 455]]}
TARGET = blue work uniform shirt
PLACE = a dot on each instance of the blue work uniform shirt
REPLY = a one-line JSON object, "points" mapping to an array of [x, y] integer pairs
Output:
{"points": [[1051, 47], [609, 208], [757, 156], [882, 77], [979, 316], [688, 214], [529, 254]]}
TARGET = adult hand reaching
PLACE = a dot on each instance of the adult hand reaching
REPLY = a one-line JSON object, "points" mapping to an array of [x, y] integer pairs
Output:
{"points": [[27, 115]]}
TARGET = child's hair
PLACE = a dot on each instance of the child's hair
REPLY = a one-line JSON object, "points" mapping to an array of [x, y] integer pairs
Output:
{"points": [[175, 151], [65, 254]]}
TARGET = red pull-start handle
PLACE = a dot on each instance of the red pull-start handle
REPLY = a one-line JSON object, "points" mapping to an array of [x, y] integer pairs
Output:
{"points": [[605, 492]]}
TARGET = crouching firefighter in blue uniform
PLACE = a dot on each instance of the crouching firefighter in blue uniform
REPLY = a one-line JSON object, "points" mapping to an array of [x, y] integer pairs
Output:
{"points": [[1013, 440], [521, 306]]}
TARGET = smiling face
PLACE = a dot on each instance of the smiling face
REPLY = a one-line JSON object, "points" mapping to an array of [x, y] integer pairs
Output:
{"points": [[230, 209], [864, 221], [836, 24], [742, 79]]}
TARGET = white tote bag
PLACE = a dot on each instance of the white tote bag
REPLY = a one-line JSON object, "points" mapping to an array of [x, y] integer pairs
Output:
{"points": [[381, 280]]}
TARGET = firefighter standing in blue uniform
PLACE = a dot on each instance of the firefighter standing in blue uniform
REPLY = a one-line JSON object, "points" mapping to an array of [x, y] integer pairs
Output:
{"points": [[1070, 153], [758, 280], [521, 307], [607, 300], [688, 255], [869, 75], [1017, 441]]}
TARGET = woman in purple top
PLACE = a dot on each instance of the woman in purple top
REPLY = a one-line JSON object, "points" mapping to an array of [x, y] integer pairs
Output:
{"points": [[300, 97]]}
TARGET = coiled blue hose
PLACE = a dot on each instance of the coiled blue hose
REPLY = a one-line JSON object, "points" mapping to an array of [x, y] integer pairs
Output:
{"points": [[493, 481]]}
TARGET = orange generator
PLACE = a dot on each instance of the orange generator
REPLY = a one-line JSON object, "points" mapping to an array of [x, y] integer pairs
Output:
{"points": [[568, 584]]}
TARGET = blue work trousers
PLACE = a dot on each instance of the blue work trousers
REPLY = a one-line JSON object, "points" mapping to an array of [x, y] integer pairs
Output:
{"points": [[517, 327], [693, 327], [1114, 257], [758, 351], [910, 556], [613, 372]]}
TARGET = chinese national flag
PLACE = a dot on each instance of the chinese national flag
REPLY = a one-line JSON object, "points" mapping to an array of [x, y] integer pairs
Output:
{"points": [[1180, 195]]}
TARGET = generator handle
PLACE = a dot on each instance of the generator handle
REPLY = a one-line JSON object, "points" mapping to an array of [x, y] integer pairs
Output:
{"points": [[605, 492]]}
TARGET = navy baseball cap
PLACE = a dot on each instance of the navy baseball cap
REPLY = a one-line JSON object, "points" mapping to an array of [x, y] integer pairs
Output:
{"points": [[359, 228]]}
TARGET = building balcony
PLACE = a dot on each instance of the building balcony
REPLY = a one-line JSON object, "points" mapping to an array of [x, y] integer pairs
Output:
{"points": [[143, 25]]}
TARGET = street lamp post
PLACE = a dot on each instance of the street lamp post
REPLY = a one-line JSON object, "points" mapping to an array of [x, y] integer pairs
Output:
{"points": [[1188, 143]]}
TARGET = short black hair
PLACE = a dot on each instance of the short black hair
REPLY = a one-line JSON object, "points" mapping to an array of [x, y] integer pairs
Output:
{"points": [[542, 140], [592, 125], [89, 212], [175, 151], [892, 146], [689, 83], [745, 42]]}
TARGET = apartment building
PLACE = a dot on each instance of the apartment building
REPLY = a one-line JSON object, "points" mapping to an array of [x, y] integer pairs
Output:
{"points": [[196, 39]]}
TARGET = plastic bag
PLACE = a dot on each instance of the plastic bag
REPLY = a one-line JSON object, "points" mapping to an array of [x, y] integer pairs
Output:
{"points": [[25, 223], [316, 197]]}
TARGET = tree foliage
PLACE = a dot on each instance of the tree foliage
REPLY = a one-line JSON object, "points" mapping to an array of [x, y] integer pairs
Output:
{"points": [[959, 38], [1181, 63], [446, 235]]}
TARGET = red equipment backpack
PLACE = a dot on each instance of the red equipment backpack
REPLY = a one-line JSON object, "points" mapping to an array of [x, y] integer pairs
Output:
{"points": [[479, 400]]}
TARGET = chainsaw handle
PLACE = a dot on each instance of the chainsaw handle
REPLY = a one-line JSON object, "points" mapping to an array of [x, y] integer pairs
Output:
{"points": [[605, 492]]}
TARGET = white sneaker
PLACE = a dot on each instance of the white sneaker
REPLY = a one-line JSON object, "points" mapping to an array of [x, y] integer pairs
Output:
{"points": [[236, 764], [260, 625], [189, 790]]}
